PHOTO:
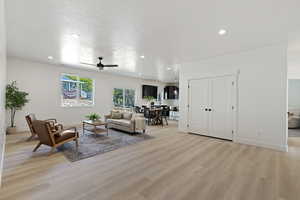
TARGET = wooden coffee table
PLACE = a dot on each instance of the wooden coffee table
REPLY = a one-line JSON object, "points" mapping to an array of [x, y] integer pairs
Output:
{"points": [[94, 126]]}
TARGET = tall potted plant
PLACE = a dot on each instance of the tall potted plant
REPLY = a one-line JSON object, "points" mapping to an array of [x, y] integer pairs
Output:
{"points": [[15, 100]]}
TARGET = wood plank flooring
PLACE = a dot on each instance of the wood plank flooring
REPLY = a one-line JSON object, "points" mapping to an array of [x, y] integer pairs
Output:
{"points": [[173, 166]]}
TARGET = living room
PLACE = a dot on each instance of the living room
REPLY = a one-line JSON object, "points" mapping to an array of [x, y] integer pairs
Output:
{"points": [[49, 74], [98, 94], [148, 100]]}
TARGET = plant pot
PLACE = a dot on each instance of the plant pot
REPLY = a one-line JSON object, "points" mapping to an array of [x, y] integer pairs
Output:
{"points": [[11, 130]]}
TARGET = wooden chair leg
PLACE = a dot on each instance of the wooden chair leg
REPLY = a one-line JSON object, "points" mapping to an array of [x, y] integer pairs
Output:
{"points": [[37, 146], [30, 138]]}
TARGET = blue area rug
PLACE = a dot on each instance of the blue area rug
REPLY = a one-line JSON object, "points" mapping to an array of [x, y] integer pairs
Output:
{"points": [[91, 144]]}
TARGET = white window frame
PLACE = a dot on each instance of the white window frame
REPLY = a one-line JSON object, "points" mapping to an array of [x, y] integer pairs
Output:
{"points": [[78, 92]]}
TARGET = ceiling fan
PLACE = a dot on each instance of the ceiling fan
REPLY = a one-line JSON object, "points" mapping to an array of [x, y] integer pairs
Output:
{"points": [[99, 65]]}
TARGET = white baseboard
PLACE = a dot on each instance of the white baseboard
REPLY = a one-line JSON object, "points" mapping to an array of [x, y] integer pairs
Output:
{"points": [[248, 141], [184, 130], [2, 150], [253, 142]]}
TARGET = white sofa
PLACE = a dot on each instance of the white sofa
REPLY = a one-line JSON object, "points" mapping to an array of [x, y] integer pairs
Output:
{"points": [[129, 121]]}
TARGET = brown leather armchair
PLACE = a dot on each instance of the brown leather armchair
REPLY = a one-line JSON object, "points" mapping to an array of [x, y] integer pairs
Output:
{"points": [[52, 138], [53, 122]]}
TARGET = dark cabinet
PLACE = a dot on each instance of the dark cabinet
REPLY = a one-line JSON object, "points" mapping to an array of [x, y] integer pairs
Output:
{"points": [[171, 92]]}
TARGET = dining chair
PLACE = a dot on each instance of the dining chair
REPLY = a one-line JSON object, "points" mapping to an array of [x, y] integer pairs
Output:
{"points": [[137, 109], [165, 115], [149, 115]]}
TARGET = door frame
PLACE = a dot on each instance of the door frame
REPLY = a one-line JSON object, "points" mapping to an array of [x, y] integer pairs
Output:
{"points": [[235, 100]]}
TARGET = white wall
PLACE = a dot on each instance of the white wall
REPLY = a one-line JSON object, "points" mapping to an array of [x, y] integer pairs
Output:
{"points": [[2, 84], [262, 94], [293, 62], [42, 83]]}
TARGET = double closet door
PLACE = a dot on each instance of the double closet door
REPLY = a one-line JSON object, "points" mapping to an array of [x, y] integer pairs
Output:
{"points": [[212, 106]]}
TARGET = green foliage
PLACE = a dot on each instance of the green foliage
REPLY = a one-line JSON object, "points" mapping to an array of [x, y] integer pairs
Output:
{"points": [[15, 100], [93, 116], [118, 97], [149, 98], [74, 78], [123, 97], [87, 84]]}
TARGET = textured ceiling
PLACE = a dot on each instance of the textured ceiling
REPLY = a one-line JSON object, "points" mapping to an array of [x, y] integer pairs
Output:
{"points": [[168, 33]]}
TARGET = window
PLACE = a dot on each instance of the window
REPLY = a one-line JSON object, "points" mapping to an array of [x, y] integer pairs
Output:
{"points": [[76, 91], [123, 97], [118, 97], [129, 98]]}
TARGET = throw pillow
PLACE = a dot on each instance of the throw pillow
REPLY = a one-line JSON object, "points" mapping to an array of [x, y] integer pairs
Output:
{"points": [[116, 115], [127, 115]]}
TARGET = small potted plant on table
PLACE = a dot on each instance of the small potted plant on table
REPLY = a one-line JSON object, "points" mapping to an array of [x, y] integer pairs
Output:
{"points": [[93, 117], [150, 100]]}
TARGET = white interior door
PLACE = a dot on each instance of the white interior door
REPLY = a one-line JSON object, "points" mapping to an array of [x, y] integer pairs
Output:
{"points": [[198, 102], [222, 107]]}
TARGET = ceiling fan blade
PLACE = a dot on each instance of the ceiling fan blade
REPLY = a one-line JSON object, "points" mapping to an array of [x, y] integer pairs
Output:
{"points": [[84, 63], [110, 65]]}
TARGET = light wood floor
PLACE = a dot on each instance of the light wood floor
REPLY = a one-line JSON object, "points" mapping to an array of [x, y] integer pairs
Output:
{"points": [[172, 166]]}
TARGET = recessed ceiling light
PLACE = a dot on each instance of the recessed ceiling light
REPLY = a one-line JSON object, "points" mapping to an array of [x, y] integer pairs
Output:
{"points": [[74, 35], [142, 56], [50, 57], [222, 32], [169, 68]]}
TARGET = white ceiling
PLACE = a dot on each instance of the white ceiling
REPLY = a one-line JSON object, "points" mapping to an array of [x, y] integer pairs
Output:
{"points": [[167, 32]]}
